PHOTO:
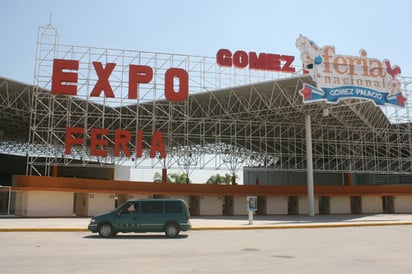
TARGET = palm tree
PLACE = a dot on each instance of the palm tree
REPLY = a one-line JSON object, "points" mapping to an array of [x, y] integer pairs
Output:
{"points": [[157, 178], [177, 178], [180, 178], [218, 179]]}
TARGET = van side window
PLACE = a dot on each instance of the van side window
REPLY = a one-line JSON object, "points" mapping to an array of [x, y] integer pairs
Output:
{"points": [[173, 207], [136, 207], [151, 207]]}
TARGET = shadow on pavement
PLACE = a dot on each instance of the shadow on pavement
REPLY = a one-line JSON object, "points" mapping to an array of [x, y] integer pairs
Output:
{"points": [[135, 237]]}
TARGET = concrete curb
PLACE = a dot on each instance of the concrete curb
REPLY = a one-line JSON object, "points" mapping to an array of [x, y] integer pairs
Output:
{"points": [[245, 227], [301, 226]]}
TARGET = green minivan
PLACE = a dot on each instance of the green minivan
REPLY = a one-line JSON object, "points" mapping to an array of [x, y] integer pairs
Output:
{"points": [[144, 215]]}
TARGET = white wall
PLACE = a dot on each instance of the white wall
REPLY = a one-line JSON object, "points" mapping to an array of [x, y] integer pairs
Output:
{"points": [[277, 205], [99, 203], [54, 203], [372, 204], [239, 205], [304, 206], [403, 204], [340, 205], [45, 204], [210, 205]]}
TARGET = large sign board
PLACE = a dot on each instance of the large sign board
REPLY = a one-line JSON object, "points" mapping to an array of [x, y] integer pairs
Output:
{"points": [[96, 80], [341, 77]]}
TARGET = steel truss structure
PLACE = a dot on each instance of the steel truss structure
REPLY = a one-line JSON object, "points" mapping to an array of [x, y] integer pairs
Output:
{"points": [[232, 118]]}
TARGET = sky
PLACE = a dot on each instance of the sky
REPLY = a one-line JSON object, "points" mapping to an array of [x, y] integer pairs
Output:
{"points": [[203, 27]]}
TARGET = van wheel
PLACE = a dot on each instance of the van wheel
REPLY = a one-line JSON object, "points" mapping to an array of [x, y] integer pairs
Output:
{"points": [[171, 230], [106, 230]]}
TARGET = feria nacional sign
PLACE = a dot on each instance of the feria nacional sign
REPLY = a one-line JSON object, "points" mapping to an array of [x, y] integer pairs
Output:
{"points": [[341, 77]]}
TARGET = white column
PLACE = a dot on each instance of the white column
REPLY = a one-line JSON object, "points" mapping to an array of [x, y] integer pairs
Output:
{"points": [[309, 164]]}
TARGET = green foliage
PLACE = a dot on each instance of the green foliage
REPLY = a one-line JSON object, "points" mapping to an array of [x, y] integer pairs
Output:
{"points": [[177, 178], [218, 179]]}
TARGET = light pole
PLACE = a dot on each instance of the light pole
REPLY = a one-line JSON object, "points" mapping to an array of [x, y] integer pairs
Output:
{"points": [[309, 166]]}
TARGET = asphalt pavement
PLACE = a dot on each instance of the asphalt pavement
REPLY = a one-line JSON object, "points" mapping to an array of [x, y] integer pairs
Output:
{"points": [[15, 224]]}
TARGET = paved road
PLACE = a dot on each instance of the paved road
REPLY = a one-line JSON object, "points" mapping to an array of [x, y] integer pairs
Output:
{"points": [[375, 249]]}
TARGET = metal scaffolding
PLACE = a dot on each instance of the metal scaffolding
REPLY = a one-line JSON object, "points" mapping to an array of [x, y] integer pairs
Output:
{"points": [[232, 118]]}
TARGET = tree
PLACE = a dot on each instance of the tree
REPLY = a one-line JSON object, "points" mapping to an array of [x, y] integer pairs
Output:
{"points": [[180, 178], [177, 178], [157, 178], [218, 179]]}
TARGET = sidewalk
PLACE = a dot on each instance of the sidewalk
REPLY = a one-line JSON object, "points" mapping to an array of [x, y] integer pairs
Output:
{"points": [[16, 224]]}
